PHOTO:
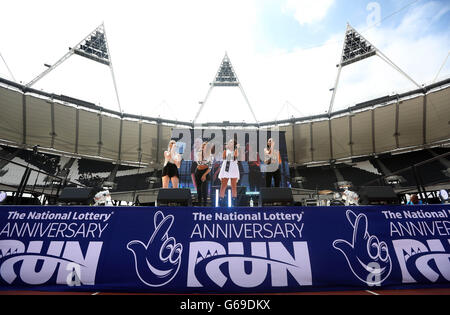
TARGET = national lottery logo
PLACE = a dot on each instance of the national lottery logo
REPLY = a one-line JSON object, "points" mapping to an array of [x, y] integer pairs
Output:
{"points": [[158, 261], [367, 257]]}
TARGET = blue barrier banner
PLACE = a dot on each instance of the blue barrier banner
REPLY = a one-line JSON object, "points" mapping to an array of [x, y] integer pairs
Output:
{"points": [[244, 250]]}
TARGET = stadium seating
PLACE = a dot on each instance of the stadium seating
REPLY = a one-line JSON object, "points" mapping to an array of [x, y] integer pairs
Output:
{"points": [[318, 178], [324, 177], [95, 173], [45, 162], [431, 172], [357, 176]]}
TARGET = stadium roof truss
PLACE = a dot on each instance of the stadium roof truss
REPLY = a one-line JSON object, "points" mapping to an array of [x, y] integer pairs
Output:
{"points": [[94, 47], [225, 77], [357, 48], [60, 124], [7, 67], [57, 123]]}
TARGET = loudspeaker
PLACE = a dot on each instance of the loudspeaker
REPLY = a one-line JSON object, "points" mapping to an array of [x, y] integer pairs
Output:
{"points": [[174, 197], [79, 196], [276, 197], [378, 195]]}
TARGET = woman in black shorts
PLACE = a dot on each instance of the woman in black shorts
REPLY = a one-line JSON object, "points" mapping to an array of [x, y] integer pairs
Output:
{"points": [[171, 165]]}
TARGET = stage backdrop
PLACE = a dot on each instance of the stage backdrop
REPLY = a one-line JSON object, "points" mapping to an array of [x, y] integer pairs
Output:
{"points": [[188, 250], [251, 171]]}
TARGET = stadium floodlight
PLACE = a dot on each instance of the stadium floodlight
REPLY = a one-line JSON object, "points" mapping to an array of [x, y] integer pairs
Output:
{"points": [[343, 185], [357, 48], [225, 77], [93, 47], [395, 180]]}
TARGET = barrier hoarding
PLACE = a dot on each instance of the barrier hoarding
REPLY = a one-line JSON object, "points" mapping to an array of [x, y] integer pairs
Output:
{"points": [[195, 250]]}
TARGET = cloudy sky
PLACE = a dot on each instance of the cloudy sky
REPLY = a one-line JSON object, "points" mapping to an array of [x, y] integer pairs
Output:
{"points": [[166, 52]]}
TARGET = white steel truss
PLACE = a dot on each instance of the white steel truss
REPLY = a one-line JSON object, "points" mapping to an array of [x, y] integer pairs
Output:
{"points": [[225, 77], [94, 47], [357, 48], [7, 68]]}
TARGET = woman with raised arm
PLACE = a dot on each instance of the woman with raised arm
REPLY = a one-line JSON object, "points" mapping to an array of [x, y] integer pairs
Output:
{"points": [[171, 165], [229, 172], [272, 159], [202, 178]]}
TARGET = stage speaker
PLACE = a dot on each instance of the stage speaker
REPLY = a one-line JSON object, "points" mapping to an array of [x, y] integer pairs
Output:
{"points": [[378, 195], [174, 198], [276, 197], [78, 196], [242, 199]]}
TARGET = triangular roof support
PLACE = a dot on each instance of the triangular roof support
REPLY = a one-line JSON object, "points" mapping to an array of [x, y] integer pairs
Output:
{"points": [[94, 47], [357, 48], [225, 77], [287, 105], [442, 67], [7, 68]]}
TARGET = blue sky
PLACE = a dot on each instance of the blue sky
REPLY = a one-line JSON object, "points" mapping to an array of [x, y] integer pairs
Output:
{"points": [[277, 29]]}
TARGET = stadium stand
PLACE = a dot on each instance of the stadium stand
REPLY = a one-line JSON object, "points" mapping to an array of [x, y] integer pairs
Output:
{"points": [[46, 162], [318, 178], [93, 173], [430, 172], [326, 177], [93, 166], [356, 175]]}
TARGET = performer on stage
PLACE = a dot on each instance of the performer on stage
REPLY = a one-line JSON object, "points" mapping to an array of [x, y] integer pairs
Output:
{"points": [[229, 171], [196, 148], [254, 169], [272, 159], [171, 165], [204, 163]]}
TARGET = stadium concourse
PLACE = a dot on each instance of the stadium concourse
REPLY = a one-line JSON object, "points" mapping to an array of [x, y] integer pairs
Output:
{"points": [[338, 224]]}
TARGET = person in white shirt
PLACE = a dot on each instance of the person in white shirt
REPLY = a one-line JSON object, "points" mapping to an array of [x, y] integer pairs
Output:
{"points": [[229, 171]]}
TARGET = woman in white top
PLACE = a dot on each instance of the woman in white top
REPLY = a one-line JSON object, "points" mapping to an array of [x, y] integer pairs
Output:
{"points": [[229, 171], [171, 165], [272, 159]]}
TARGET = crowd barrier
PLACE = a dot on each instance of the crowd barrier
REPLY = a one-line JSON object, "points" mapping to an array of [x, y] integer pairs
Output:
{"points": [[245, 250]]}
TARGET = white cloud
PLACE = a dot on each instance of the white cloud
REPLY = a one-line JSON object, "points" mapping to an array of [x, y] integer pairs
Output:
{"points": [[307, 11]]}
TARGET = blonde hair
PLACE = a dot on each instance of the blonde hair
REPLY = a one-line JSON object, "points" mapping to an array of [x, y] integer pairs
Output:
{"points": [[171, 142]]}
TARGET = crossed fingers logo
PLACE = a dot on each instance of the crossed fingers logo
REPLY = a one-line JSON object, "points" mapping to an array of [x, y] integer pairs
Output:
{"points": [[157, 262], [367, 257]]}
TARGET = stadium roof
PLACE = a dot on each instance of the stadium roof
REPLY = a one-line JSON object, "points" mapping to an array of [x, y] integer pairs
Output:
{"points": [[64, 124]]}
